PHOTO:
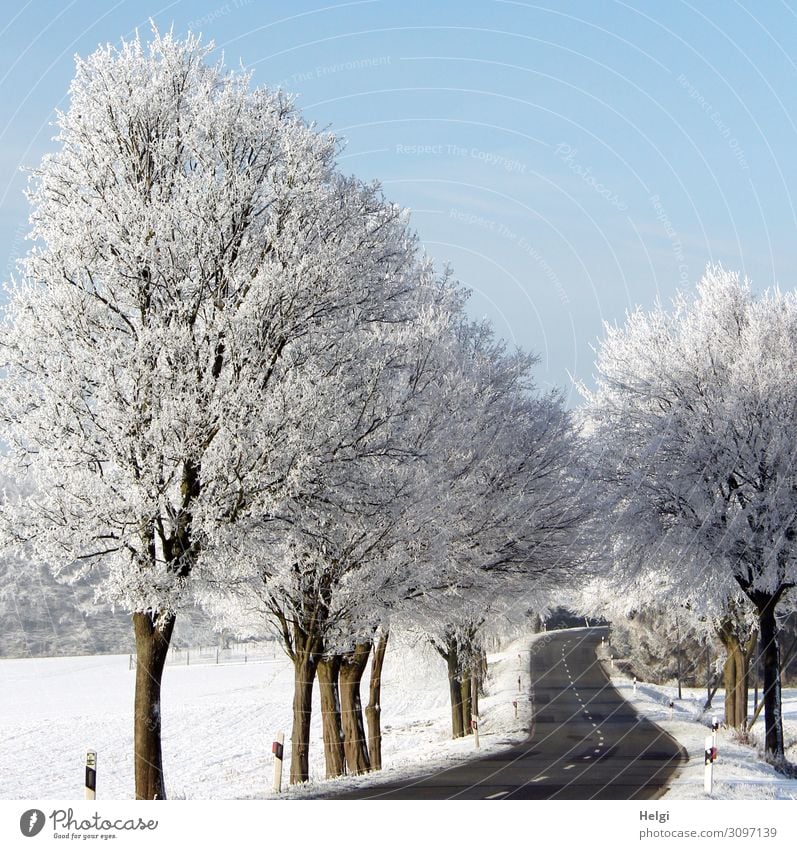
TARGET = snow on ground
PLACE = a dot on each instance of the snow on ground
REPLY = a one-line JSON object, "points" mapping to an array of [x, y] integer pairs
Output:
{"points": [[739, 772], [219, 722]]}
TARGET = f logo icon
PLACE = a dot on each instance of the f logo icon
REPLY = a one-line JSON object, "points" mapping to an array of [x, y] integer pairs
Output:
{"points": [[31, 822]]}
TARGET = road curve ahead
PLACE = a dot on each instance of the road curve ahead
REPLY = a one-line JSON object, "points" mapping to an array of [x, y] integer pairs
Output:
{"points": [[586, 741]]}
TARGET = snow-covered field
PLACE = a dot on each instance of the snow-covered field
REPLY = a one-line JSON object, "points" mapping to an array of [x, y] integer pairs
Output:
{"points": [[739, 772], [219, 722]]}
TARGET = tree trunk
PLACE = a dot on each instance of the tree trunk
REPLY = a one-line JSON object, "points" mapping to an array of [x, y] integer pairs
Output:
{"points": [[465, 689], [735, 673], [373, 710], [455, 691], [304, 671], [152, 646], [711, 693], [750, 655], [482, 677], [740, 694], [770, 655], [729, 682], [475, 686], [328, 671], [354, 743]]}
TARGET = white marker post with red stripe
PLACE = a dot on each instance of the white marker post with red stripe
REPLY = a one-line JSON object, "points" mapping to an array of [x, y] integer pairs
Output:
{"points": [[91, 774], [710, 757], [277, 749]]}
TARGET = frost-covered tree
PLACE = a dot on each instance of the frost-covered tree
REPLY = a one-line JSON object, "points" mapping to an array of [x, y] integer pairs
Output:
{"points": [[323, 564], [196, 259], [694, 421], [665, 634], [505, 510]]}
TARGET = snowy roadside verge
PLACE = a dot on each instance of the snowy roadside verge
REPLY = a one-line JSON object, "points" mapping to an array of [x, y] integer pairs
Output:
{"points": [[739, 772], [219, 723], [414, 747]]}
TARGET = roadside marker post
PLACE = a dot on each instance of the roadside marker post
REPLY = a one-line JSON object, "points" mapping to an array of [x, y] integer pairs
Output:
{"points": [[710, 757], [518, 684], [91, 774], [474, 724], [514, 705], [634, 684], [277, 749]]}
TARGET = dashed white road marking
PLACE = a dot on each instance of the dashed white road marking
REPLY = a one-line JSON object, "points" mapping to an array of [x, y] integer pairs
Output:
{"points": [[570, 766], [540, 778], [497, 795]]}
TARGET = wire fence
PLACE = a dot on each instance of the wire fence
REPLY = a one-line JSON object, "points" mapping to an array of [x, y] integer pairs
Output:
{"points": [[232, 653]]}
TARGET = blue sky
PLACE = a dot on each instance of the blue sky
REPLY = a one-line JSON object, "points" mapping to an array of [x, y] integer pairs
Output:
{"points": [[569, 159]]}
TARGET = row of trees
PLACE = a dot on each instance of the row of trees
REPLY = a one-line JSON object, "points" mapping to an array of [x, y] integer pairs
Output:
{"points": [[692, 432], [232, 378]]}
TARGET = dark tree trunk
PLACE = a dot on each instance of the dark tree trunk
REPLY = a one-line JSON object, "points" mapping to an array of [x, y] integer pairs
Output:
{"points": [[328, 671], [729, 682], [152, 645], [455, 691], [305, 664], [770, 656], [713, 687], [465, 689], [743, 659], [741, 688], [735, 674], [482, 677], [354, 743], [475, 684], [750, 659], [478, 675], [373, 710]]}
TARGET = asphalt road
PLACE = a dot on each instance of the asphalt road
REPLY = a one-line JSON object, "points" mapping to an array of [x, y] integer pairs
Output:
{"points": [[586, 741]]}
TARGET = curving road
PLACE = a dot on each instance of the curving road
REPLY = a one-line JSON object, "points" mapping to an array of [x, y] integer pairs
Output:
{"points": [[586, 741]]}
